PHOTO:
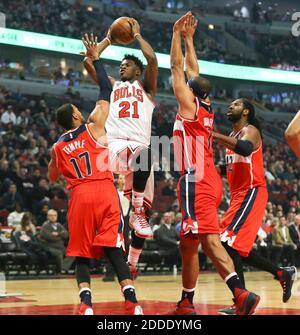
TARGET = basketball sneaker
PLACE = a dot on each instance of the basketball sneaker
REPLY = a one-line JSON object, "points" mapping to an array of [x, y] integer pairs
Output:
{"points": [[286, 278], [133, 271], [140, 224], [185, 307], [85, 309], [133, 308], [245, 301], [231, 310]]}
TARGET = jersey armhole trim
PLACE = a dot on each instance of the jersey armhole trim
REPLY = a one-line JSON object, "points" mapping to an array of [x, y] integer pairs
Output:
{"points": [[196, 114], [147, 94], [93, 138]]}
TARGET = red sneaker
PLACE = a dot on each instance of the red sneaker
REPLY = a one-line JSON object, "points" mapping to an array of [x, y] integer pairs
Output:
{"points": [[286, 277], [133, 308], [245, 302], [184, 307], [85, 309]]}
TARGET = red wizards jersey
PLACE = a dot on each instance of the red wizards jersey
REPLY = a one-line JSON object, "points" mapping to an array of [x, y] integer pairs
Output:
{"points": [[245, 172], [193, 143], [80, 158]]}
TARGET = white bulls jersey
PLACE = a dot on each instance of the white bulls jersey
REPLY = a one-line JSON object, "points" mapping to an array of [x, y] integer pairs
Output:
{"points": [[130, 114]]}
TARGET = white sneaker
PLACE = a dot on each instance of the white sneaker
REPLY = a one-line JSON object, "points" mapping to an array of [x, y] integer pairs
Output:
{"points": [[140, 224], [138, 310]]}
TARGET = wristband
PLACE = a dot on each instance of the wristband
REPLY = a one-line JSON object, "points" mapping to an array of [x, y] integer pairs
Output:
{"points": [[108, 40]]}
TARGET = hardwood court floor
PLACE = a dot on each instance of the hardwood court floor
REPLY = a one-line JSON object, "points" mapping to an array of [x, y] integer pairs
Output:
{"points": [[157, 295]]}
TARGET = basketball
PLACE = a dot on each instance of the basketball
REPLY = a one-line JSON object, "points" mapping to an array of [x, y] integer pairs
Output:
{"points": [[121, 31]]}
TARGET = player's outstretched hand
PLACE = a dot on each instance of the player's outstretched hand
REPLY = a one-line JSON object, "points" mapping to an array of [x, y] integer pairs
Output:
{"points": [[190, 26], [90, 44], [179, 25]]}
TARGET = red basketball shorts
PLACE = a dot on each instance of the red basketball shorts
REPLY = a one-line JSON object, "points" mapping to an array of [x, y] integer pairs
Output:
{"points": [[199, 201], [94, 219], [243, 218]]}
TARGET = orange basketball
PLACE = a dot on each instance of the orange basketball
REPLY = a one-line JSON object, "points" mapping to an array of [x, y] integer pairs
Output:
{"points": [[121, 31]]}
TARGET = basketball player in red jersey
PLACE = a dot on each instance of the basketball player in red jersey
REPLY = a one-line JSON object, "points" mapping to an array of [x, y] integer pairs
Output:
{"points": [[292, 134], [94, 218], [199, 188], [249, 196], [129, 135]]}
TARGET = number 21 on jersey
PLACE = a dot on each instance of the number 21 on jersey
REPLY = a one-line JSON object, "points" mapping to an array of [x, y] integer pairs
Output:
{"points": [[125, 110]]}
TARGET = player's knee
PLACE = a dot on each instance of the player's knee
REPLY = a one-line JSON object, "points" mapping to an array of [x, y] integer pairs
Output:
{"points": [[136, 241], [212, 242], [142, 161], [116, 258]]}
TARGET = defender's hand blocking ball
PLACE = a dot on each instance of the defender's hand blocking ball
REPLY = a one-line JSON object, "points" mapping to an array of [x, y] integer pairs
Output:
{"points": [[121, 30]]}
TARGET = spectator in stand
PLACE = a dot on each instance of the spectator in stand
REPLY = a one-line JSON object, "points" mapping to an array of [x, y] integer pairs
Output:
{"points": [[25, 237], [281, 237], [169, 188], [11, 198], [15, 217], [167, 240], [294, 229], [9, 116], [42, 217], [53, 237]]}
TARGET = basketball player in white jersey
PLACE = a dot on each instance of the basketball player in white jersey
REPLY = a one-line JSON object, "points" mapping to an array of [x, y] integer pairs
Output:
{"points": [[128, 130]]}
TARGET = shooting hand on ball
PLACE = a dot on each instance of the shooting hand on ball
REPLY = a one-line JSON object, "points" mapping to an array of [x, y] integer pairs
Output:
{"points": [[136, 29], [90, 44]]}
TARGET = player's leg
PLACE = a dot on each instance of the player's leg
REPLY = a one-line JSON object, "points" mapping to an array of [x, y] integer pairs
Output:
{"points": [[238, 265], [286, 276], [190, 271], [140, 163], [137, 240], [82, 274], [82, 226], [110, 239], [116, 258], [245, 301], [135, 250]]}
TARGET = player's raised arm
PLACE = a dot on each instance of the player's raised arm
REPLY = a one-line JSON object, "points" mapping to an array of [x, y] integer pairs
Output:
{"points": [[183, 93], [191, 62], [151, 72], [53, 171], [99, 115], [292, 134], [91, 56]]}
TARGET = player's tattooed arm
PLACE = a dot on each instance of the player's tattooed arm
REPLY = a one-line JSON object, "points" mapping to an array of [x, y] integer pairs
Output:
{"points": [[53, 171], [151, 71], [292, 134], [191, 62]]}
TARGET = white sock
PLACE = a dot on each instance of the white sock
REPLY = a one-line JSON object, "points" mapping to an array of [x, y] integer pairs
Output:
{"points": [[137, 199], [232, 274], [134, 255]]}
